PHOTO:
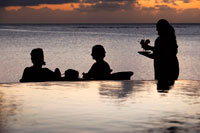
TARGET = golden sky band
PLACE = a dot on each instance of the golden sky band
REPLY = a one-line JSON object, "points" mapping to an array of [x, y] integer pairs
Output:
{"points": [[99, 11]]}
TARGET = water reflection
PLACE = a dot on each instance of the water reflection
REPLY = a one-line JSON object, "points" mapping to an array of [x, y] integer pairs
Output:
{"points": [[116, 90], [164, 88], [1, 112], [88, 107], [125, 89], [8, 110]]}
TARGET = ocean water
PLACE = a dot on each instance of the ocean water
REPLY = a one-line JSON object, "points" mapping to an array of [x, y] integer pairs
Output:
{"points": [[69, 46], [100, 107]]}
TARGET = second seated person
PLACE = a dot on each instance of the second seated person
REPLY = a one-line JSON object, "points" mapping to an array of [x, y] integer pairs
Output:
{"points": [[101, 69]]}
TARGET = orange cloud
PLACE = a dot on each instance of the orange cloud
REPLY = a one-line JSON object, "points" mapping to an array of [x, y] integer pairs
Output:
{"points": [[177, 4], [64, 7], [105, 11], [192, 4], [13, 8]]}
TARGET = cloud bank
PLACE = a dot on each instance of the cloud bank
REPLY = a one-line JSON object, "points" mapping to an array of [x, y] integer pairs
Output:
{"points": [[97, 11]]}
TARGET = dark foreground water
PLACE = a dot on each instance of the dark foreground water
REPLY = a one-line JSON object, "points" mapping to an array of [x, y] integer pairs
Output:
{"points": [[100, 106]]}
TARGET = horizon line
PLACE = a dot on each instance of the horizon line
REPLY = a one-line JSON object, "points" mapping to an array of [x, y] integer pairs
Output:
{"points": [[92, 23]]}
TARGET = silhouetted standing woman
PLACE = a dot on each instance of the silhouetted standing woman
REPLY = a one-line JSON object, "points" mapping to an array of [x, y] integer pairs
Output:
{"points": [[164, 53]]}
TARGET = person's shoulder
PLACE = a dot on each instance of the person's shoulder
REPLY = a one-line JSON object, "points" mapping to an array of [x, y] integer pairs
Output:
{"points": [[106, 66], [94, 65], [158, 39], [26, 74], [106, 63], [102, 64], [28, 69], [47, 70]]}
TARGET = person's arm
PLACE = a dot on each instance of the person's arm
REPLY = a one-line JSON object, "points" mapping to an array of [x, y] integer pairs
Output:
{"points": [[89, 74], [151, 56], [51, 75], [147, 47], [85, 75], [108, 69], [24, 76]]}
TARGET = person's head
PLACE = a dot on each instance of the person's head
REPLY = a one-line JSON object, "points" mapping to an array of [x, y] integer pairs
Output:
{"points": [[164, 28], [37, 57], [98, 52]]}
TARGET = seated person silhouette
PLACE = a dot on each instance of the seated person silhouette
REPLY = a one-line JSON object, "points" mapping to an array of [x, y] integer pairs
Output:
{"points": [[36, 73], [101, 69]]}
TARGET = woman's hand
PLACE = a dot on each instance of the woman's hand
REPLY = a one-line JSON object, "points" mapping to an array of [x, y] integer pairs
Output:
{"points": [[85, 75], [147, 54]]}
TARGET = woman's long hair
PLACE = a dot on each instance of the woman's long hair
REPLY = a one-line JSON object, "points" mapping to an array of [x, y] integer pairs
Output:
{"points": [[165, 30]]}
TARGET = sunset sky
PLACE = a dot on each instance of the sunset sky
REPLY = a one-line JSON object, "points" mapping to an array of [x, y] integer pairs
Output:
{"points": [[99, 11]]}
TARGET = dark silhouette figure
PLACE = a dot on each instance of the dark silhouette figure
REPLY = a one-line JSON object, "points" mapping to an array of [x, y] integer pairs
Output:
{"points": [[36, 73], [125, 75], [101, 69], [71, 75], [164, 52], [163, 87]]}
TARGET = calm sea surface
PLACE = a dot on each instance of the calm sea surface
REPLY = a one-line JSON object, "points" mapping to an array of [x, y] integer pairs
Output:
{"points": [[69, 46], [100, 107]]}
